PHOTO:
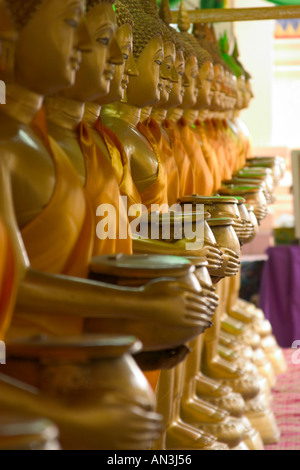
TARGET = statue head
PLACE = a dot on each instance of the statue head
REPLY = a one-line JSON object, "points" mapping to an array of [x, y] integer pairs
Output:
{"points": [[168, 73], [119, 83], [50, 36], [8, 38], [191, 61], [205, 74], [248, 92], [207, 40], [98, 64], [144, 90], [180, 83], [205, 91], [234, 68]]}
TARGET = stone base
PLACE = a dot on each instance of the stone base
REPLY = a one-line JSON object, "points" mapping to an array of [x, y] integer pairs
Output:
{"points": [[252, 438], [263, 420]]}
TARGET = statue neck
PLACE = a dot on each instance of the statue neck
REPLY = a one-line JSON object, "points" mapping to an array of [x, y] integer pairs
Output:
{"points": [[191, 115], [175, 114], [91, 113], [64, 112], [21, 104], [146, 113], [228, 114], [159, 115], [236, 113], [203, 114], [126, 112]]}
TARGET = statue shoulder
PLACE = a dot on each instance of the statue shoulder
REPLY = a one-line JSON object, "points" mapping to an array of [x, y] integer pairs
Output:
{"points": [[9, 128], [121, 128]]}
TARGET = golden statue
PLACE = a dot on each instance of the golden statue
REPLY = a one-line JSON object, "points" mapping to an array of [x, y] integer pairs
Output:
{"points": [[34, 213], [45, 282], [123, 118], [181, 179]]}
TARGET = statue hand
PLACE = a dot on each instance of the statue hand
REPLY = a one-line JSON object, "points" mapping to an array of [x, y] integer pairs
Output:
{"points": [[213, 256], [231, 262], [179, 305], [119, 426]]}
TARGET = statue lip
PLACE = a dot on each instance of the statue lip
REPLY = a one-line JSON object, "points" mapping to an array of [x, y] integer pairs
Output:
{"points": [[109, 74]]}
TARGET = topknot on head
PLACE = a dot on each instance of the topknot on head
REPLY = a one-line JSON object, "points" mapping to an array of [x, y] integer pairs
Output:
{"points": [[22, 10], [123, 14]]}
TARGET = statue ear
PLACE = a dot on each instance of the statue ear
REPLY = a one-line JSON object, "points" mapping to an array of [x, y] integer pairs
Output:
{"points": [[7, 59], [124, 99]]}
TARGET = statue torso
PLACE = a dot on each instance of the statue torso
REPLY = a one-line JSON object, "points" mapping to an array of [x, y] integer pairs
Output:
{"points": [[142, 159], [67, 139], [31, 167]]}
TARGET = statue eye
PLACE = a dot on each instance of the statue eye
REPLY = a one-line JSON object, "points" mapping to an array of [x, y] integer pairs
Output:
{"points": [[72, 23], [126, 56], [104, 41], [159, 62]]}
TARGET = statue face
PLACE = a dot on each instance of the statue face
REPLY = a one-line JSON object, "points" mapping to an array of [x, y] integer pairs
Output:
{"points": [[191, 91], [47, 52], [122, 72], [178, 88], [144, 90], [8, 38], [168, 73], [226, 90], [241, 90], [233, 88], [217, 84], [206, 75], [248, 93], [98, 63]]}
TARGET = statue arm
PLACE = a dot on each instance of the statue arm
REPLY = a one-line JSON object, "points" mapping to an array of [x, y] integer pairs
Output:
{"points": [[178, 248], [38, 292], [93, 426]]}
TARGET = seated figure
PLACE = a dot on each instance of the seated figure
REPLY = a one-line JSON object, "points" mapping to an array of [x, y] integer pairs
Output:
{"points": [[123, 118], [42, 193]]}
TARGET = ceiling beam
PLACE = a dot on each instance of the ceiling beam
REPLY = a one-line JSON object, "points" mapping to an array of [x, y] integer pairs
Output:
{"points": [[220, 15]]}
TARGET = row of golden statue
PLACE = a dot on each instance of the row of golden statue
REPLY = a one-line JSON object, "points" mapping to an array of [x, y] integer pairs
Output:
{"points": [[128, 342]]}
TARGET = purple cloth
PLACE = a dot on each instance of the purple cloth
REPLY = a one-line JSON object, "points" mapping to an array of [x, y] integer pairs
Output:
{"points": [[280, 293]]}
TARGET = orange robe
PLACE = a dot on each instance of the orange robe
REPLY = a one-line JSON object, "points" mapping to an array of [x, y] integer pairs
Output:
{"points": [[166, 153], [223, 144], [214, 138], [120, 165], [157, 192], [102, 188], [59, 240], [62, 238], [229, 144], [209, 154], [185, 170], [243, 141], [203, 178], [7, 281]]}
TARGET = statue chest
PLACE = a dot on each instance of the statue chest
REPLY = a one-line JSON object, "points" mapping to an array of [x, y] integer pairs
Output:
{"points": [[143, 161], [33, 177]]}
